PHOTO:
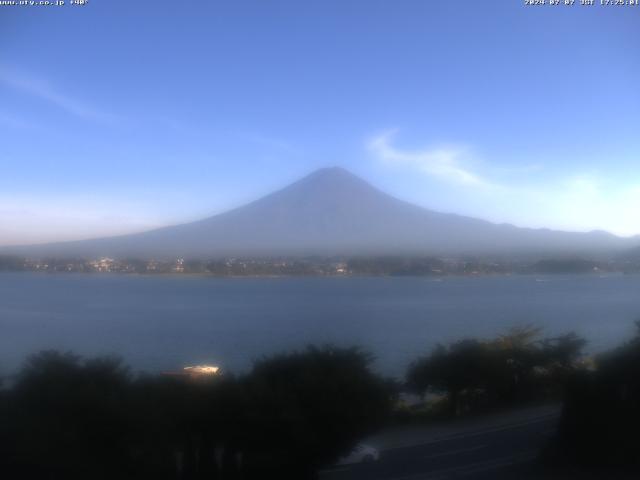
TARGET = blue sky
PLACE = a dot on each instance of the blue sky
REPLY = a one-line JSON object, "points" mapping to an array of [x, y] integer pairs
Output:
{"points": [[120, 116]]}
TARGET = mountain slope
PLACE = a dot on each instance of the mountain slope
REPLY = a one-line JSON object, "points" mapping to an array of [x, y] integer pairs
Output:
{"points": [[330, 212]]}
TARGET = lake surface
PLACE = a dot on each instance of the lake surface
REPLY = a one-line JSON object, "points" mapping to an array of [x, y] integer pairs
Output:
{"points": [[166, 322]]}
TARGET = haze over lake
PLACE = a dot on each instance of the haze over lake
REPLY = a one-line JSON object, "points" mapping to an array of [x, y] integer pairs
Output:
{"points": [[166, 322]]}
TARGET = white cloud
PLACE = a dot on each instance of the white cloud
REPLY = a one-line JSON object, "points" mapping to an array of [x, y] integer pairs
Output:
{"points": [[580, 200], [591, 201], [446, 163], [43, 90]]}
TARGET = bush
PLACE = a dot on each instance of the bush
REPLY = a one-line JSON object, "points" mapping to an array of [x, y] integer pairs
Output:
{"points": [[510, 369], [69, 418]]}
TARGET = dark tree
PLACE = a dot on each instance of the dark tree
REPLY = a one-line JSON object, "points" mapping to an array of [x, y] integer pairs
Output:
{"points": [[309, 408], [67, 419], [601, 416], [513, 368], [461, 367]]}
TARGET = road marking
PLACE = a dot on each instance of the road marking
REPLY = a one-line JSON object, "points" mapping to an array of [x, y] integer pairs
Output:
{"points": [[454, 452]]}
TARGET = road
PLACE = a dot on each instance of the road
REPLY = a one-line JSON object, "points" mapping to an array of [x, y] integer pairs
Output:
{"points": [[498, 447]]}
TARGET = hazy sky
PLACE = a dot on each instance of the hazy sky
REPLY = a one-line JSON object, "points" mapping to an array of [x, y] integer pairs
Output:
{"points": [[122, 115]]}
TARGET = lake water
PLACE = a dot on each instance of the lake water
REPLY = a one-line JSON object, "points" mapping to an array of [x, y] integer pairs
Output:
{"points": [[166, 322]]}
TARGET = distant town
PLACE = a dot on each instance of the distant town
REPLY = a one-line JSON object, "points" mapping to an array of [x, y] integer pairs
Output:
{"points": [[321, 266]]}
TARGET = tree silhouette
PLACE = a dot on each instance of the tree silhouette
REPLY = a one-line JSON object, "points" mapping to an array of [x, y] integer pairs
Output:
{"points": [[601, 416], [309, 408], [515, 367], [69, 418]]}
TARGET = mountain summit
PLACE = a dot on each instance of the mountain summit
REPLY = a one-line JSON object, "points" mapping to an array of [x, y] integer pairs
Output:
{"points": [[331, 211]]}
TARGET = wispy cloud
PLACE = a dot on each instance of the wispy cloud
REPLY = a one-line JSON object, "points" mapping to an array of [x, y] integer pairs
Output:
{"points": [[594, 201], [580, 200], [446, 163], [45, 91]]}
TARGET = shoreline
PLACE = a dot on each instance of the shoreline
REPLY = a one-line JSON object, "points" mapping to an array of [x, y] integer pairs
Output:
{"points": [[354, 275]]}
